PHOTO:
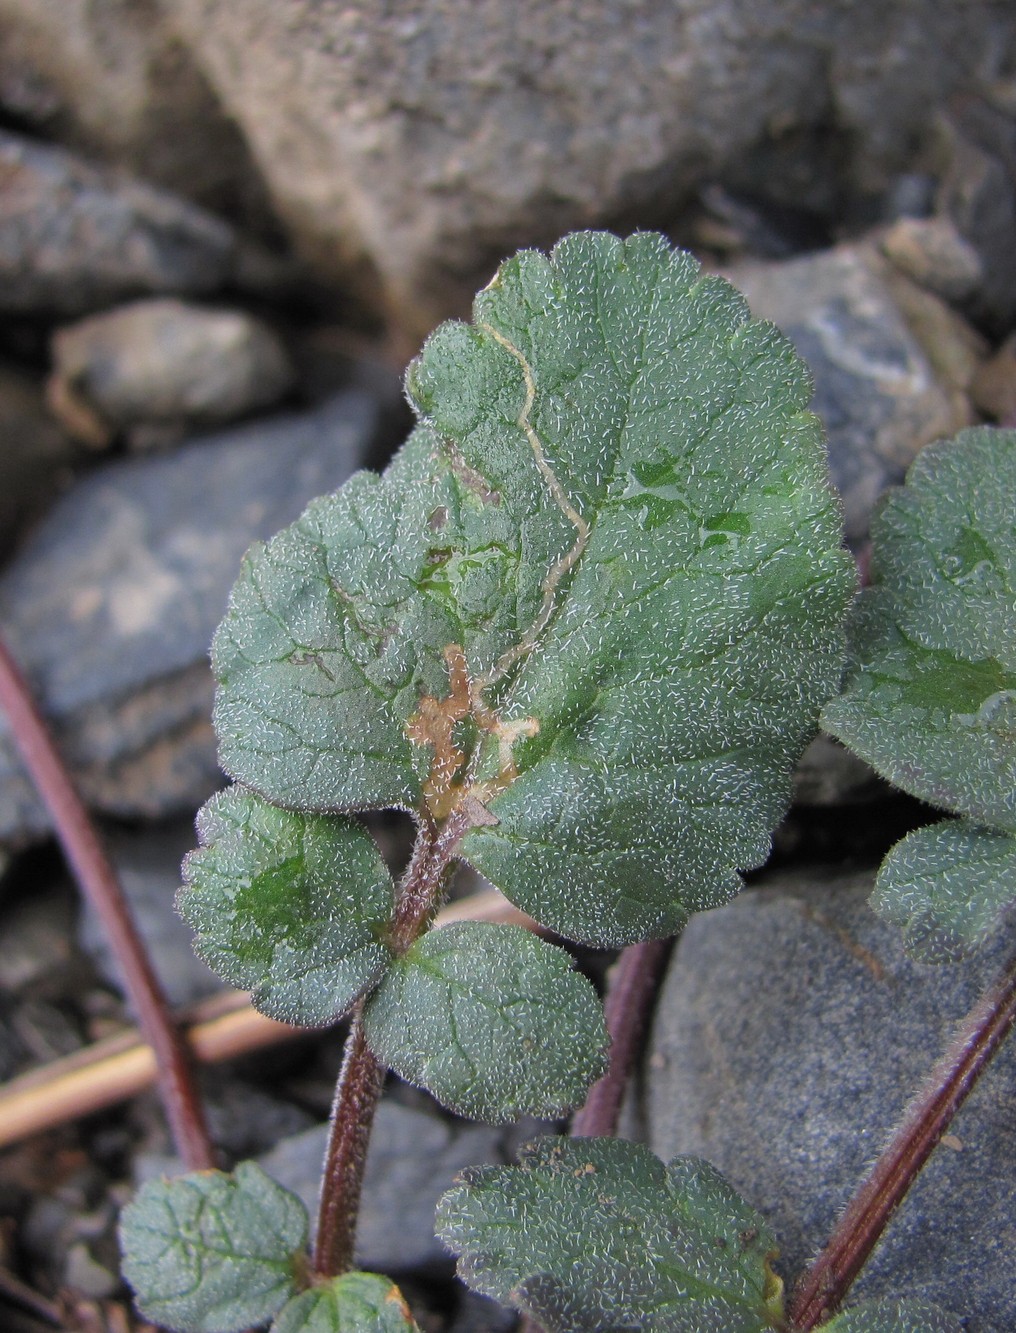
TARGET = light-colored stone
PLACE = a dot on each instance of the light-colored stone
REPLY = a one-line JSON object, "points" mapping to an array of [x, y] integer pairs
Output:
{"points": [[994, 386], [163, 366], [828, 774], [934, 254], [413, 1158]]}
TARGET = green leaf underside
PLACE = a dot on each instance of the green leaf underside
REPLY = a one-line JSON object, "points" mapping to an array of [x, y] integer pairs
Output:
{"points": [[290, 906], [353, 1303], [210, 1252], [892, 1316], [640, 560], [930, 697], [594, 1235], [491, 1020], [946, 886]]}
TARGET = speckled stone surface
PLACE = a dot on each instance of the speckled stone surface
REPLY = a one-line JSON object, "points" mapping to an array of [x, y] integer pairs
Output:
{"points": [[111, 605], [791, 1033]]}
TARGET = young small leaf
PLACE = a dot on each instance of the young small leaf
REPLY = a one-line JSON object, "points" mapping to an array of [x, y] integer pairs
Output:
{"points": [[946, 886], [930, 697], [595, 600], [353, 1303], [491, 1020], [289, 906], [591, 1235], [213, 1253], [891, 1316]]}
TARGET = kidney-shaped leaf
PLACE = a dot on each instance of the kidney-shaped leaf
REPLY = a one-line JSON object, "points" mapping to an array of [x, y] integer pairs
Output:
{"points": [[491, 1020], [946, 885], [594, 1235], [597, 596], [291, 907], [353, 1303], [930, 697], [210, 1252], [891, 1316]]}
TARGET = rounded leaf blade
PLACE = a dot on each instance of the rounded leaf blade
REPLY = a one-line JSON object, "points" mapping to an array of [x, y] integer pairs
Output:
{"points": [[596, 598], [491, 1020], [210, 1252], [352, 1303], [592, 1235], [292, 907], [930, 695], [946, 886]]}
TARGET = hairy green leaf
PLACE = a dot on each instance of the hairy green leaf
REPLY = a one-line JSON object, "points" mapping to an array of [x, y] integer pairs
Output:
{"points": [[930, 697], [594, 603], [891, 1316], [353, 1303], [213, 1253], [597, 1235], [292, 907], [946, 886], [491, 1020]]}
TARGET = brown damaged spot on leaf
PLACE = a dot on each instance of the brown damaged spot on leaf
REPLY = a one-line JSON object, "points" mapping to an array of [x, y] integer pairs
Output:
{"points": [[434, 724], [469, 478], [395, 1297]]}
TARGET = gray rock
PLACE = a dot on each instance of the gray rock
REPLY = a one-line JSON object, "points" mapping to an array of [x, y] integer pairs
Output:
{"points": [[828, 774], [413, 1158], [83, 1274], [37, 931], [975, 139], [148, 865], [876, 388], [110, 608], [445, 134], [161, 366], [74, 239], [790, 1034], [35, 455]]}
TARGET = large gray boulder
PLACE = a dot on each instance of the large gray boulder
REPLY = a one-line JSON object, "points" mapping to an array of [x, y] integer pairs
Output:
{"points": [[432, 138], [789, 1037], [111, 605], [74, 239]]}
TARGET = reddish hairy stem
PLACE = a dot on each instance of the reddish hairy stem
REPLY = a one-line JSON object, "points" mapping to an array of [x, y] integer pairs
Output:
{"points": [[822, 1289], [630, 999], [423, 883], [361, 1078], [98, 882], [356, 1097]]}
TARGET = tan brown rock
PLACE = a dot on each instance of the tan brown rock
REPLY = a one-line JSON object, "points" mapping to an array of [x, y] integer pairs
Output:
{"points": [[994, 386], [153, 369], [423, 140]]}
